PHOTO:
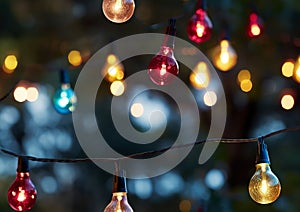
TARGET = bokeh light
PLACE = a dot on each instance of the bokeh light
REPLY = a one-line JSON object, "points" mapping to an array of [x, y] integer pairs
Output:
{"points": [[287, 102], [185, 206], [246, 85], [210, 98], [137, 110], [20, 94], [200, 76], [32, 94], [296, 71], [117, 88], [215, 179], [113, 69], [243, 75], [74, 58], [287, 69], [10, 64]]}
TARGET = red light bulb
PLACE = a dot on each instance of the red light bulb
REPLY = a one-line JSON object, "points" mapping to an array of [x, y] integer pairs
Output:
{"points": [[163, 67], [199, 28], [22, 193], [255, 26]]}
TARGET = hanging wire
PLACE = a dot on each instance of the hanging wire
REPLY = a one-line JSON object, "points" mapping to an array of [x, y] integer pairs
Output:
{"points": [[142, 155]]}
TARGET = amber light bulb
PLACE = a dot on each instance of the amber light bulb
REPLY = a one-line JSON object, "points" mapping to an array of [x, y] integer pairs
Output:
{"points": [[264, 186], [118, 11], [22, 193], [224, 56], [199, 28], [255, 25], [119, 202], [163, 67]]}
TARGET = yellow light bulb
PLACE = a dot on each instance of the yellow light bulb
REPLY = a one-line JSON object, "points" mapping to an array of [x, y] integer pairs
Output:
{"points": [[264, 186], [10, 64], [200, 77], [296, 74], [113, 69], [118, 11], [224, 56], [118, 203]]}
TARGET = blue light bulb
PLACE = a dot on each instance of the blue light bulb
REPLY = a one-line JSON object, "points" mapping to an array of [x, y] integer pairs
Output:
{"points": [[64, 99]]}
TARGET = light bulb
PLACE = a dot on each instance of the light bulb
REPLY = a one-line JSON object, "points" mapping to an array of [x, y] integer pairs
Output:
{"points": [[163, 67], [224, 56], [22, 193], [119, 201], [296, 72], [113, 69], [199, 28], [255, 27], [64, 99], [264, 186], [118, 11]]}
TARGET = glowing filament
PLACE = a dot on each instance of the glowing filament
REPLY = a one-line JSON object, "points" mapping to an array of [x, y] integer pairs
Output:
{"points": [[255, 30], [163, 69], [200, 29]]}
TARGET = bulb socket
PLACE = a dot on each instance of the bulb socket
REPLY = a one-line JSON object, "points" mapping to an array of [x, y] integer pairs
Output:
{"points": [[64, 76], [119, 184], [23, 164], [262, 152]]}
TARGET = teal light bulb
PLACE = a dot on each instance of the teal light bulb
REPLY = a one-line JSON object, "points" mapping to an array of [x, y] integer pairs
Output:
{"points": [[64, 99]]}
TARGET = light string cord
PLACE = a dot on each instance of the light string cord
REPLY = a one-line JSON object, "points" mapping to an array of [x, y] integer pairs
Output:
{"points": [[153, 152]]}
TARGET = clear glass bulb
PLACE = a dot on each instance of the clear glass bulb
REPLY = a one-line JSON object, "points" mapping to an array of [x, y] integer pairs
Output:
{"points": [[224, 56], [118, 11], [264, 186], [22, 193], [118, 203], [64, 99]]}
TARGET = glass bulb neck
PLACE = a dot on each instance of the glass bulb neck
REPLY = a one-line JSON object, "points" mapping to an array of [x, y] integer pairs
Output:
{"points": [[201, 4]]}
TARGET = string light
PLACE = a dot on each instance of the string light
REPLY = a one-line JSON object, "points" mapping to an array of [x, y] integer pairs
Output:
{"points": [[255, 25], [210, 98], [32, 94], [262, 191], [10, 64], [117, 88], [74, 58], [22, 193], [296, 72], [64, 99], [20, 94], [287, 102], [119, 201], [113, 69], [199, 28], [224, 56], [200, 77], [264, 186], [137, 110], [118, 11], [246, 85], [287, 68], [163, 67]]}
